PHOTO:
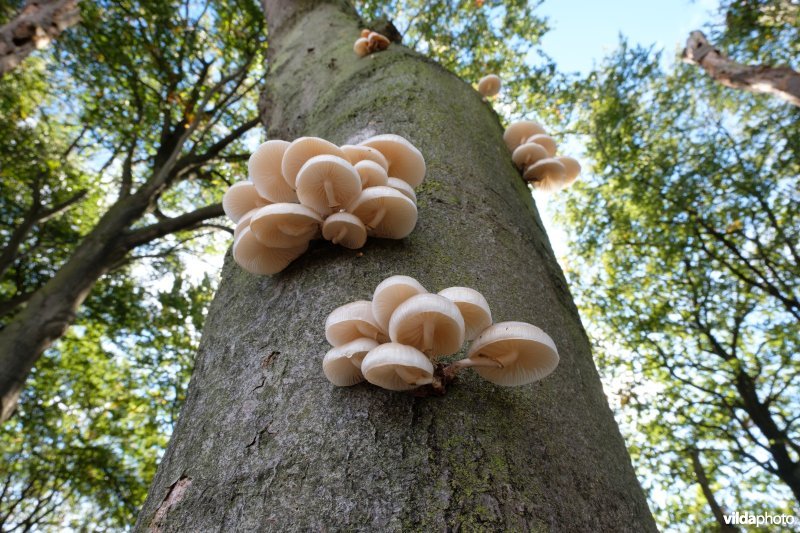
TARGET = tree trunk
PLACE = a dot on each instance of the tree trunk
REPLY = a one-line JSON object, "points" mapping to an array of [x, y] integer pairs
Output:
{"points": [[782, 82], [39, 22], [705, 486], [264, 442]]}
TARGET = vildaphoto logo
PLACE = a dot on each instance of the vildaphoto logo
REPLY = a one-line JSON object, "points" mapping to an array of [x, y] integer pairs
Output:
{"points": [[766, 519]]}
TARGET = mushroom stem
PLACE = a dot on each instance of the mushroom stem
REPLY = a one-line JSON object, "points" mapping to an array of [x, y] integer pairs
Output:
{"points": [[427, 337], [377, 218], [480, 360], [339, 236], [330, 194]]}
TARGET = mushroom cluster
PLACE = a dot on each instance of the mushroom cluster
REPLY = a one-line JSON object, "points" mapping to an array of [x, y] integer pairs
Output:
{"points": [[395, 339], [489, 85], [311, 188], [534, 152], [369, 42]]}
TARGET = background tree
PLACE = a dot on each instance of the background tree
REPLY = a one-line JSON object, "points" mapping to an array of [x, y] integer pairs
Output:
{"points": [[686, 262], [263, 438], [163, 140]]}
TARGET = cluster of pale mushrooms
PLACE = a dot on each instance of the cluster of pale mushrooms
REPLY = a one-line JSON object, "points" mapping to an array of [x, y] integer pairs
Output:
{"points": [[534, 152], [310, 187], [369, 42], [394, 340], [489, 85]]}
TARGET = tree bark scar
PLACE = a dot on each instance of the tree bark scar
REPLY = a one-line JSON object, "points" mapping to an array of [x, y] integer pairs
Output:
{"points": [[173, 497]]}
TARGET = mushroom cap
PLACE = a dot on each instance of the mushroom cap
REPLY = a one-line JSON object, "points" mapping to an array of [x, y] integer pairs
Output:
{"points": [[546, 142], [365, 33], [405, 161], [528, 154], [352, 321], [361, 46], [256, 258], [264, 168], [403, 187], [546, 174], [244, 222], [345, 229], [327, 183], [377, 41], [371, 173], [386, 212], [285, 225], [240, 198], [518, 132], [301, 150], [397, 367], [527, 353], [430, 323], [356, 153], [572, 168], [390, 293], [474, 309], [489, 85], [342, 365]]}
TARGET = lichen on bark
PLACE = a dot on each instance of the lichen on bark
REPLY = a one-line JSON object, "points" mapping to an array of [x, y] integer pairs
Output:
{"points": [[271, 445]]}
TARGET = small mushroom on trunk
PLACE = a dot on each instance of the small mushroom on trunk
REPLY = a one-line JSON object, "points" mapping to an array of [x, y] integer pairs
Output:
{"points": [[301, 150], [345, 229], [511, 354], [262, 260], [371, 173], [264, 168], [327, 183], [519, 132], [430, 323], [385, 212], [390, 293], [342, 365], [353, 321], [285, 225], [241, 198], [474, 309], [489, 85], [356, 153], [405, 161], [397, 367]]}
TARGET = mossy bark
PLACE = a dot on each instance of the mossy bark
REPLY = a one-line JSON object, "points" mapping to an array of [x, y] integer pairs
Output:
{"points": [[264, 442]]}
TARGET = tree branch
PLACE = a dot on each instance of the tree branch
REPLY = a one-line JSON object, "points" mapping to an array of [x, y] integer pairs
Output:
{"points": [[187, 221]]}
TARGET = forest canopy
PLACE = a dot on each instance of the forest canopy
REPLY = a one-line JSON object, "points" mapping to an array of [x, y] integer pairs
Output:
{"points": [[683, 238]]}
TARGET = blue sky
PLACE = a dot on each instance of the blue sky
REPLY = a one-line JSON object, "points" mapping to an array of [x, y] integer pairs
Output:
{"points": [[583, 31]]}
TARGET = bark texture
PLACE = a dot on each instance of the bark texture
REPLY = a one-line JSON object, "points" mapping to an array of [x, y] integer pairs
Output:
{"points": [[779, 81], [39, 22], [264, 442]]}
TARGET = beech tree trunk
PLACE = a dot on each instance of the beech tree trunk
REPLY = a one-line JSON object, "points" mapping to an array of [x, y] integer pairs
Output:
{"points": [[779, 81], [39, 22], [264, 442]]}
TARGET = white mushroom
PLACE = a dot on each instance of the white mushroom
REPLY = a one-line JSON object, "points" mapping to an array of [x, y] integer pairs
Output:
{"points": [[377, 42], [546, 142], [371, 173], [327, 183], [342, 365], [256, 258], [243, 223], [403, 187], [390, 293], [353, 321], [385, 212], [264, 168], [285, 225], [345, 229], [429, 322], [356, 153], [405, 161], [474, 309], [397, 367], [300, 151], [518, 132], [361, 46], [241, 198], [489, 85], [572, 169], [512, 353], [546, 174], [528, 154]]}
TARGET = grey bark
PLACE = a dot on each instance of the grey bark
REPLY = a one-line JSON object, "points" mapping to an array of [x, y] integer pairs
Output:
{"points": [[265, 443], [39, 22], [780, 81]]}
